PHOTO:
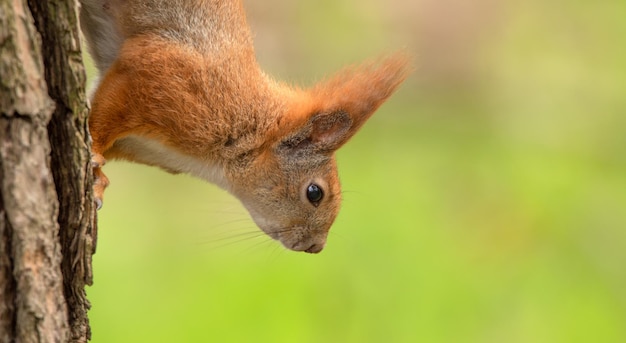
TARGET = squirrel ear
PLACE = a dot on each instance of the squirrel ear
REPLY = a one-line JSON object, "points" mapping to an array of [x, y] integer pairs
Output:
{"points": [[330, 131], [343, 103], [360, 90], [322, 133]]}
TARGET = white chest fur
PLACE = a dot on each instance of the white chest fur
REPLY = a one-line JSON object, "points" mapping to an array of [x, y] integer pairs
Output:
{"points": [[154, 153]]}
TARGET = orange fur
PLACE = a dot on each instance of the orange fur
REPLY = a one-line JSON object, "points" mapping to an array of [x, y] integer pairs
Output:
{"points": [[193, 99]]}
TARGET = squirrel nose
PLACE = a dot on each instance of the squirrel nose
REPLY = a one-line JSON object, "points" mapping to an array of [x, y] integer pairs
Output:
{"points": [[315, 248]]}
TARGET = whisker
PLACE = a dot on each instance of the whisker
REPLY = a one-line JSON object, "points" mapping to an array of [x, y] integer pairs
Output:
{"points": [[236, 235], [236, 241], [282, 230], [275, 253], [346, 240], [229, 222], [351, 192], [336, 234], [227, 211], [256, 245]]}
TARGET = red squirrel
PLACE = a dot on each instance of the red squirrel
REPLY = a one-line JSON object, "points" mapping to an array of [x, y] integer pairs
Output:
{"points": [[180, 89]]}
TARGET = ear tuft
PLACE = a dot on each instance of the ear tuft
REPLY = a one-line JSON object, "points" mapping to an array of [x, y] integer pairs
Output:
{"points": [[360, 90]]}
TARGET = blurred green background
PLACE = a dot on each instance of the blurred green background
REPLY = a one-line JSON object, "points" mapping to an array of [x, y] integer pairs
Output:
{"points": [[484, 202]]}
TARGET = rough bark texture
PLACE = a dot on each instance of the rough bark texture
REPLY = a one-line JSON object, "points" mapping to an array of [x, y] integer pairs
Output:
{"points": [[32, 306], [47, 230], [57, 22]]}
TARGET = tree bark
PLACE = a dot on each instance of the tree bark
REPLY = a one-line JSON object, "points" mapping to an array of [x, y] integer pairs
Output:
{"points": [[57, 22], [47, 214], [33, 308]]}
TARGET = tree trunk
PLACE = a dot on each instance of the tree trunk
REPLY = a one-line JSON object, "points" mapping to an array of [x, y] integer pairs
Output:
{"points": [[47, 215]]}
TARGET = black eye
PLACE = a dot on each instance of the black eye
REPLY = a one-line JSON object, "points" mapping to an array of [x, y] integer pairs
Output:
{"points": [[314, 193]]}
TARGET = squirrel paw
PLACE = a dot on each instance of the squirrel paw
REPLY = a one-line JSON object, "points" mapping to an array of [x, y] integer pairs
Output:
{"points": [[101, 181]]}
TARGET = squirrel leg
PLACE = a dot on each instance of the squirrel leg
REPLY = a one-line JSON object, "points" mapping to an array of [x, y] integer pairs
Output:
{"points": [[101, 181]]}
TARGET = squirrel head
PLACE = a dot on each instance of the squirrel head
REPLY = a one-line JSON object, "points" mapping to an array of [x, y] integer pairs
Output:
{"points": [[291, 185]]}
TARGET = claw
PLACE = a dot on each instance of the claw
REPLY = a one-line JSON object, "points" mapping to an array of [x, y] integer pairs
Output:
{"points": [[101, 181], [97, 160]]}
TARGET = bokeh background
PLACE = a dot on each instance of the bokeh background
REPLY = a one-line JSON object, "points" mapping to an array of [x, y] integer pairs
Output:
{"points": [[484, 202]]}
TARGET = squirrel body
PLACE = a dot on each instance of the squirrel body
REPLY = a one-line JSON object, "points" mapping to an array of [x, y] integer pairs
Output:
{"points": [[180, 89]]}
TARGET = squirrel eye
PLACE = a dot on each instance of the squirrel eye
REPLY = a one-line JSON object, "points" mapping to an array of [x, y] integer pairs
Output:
{"points": [[314, 193]]}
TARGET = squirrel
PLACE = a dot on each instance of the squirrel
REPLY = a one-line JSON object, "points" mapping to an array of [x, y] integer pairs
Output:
{"points": [[179, 88]]}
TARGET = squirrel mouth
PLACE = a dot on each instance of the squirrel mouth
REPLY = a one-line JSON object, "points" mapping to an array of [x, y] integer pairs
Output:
{"points": [[306, 246], [297, 237], [315, 248], [293, 239]]}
